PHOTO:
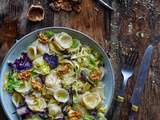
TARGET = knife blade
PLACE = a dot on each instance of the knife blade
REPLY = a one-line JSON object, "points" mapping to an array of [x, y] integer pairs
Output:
{"points": [[142, 76], [104, 3]]}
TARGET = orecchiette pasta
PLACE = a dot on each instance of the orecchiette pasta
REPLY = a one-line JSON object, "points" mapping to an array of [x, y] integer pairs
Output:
{"points": [[36, 49]]}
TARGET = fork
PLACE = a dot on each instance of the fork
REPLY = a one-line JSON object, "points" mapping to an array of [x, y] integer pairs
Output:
{"points": [[127, 71]]}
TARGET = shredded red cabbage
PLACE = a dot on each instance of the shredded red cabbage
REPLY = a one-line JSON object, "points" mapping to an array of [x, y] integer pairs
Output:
{"points": [[52, 60], [23, 110], [94, 113], [23, 63]]}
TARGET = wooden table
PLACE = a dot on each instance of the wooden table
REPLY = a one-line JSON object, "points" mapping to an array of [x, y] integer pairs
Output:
{"points": [[133, 24]]}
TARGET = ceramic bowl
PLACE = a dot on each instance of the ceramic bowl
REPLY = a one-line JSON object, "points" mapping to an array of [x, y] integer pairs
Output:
{"points": [[25, 41]]}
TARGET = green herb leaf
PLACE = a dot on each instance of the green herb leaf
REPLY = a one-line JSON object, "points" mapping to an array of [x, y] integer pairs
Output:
{"points": [[75, 43], [12, 82], [48, 33], [88, 117]]}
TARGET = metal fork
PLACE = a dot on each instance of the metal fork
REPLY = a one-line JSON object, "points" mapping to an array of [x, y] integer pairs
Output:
{"points": [[127, 70]]}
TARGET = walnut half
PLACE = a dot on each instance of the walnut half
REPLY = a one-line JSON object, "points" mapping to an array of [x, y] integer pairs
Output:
{"points": [[37, 85], [24, 75], [74, 115]]}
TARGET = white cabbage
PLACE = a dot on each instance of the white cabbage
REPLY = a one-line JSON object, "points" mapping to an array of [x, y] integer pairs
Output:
{"points": [[36, 104], [53, 48], [52, 81], [17, 99], [63, 40], [25, 89], [54, 109], [68, 79], [41, 66], [42, 48]]}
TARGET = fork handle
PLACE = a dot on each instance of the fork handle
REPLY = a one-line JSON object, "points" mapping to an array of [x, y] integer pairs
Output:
{"points": [[120, 96]]}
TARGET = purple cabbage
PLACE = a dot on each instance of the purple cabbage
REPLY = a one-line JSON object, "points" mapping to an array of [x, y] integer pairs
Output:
{"points": [[23, 63], [52, 60], [23, 110], [43, 115], [94, 113], [84, 76], [60, 119]]}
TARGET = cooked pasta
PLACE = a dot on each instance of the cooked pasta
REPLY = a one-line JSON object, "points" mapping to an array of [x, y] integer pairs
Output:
{"points": [[58, 78]]}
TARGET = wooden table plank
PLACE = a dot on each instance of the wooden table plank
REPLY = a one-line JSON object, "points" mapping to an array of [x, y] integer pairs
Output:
{"points": [[89, 21], [133, 27]]}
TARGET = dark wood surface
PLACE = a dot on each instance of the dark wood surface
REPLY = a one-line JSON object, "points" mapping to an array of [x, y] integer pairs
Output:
{"points": [[133, 23]]}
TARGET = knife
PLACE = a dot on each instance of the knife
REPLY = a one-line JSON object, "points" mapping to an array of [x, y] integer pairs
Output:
{"points": [[104, 3], [135, 100], [142, 76]]}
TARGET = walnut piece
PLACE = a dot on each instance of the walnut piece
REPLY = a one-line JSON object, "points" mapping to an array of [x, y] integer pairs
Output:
{"points": [[37, 85], [74, 115], [55, 6], [42, 38], [24, 75], [66, 6], [64, 69], [95, 75]]}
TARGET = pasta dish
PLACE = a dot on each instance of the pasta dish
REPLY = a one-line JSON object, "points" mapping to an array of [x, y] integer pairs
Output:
{"points": [[57, 78]]}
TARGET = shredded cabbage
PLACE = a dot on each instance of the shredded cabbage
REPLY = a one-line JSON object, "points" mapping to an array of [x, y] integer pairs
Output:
{"points": [[34, 117], [41, 66], [89, 117], [12, 82], [101, 116]]}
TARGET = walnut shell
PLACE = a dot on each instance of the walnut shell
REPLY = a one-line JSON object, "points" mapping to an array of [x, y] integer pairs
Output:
{"points": [[35, 13]]}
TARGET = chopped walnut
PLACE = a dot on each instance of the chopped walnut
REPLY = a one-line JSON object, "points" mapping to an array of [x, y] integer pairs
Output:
{"points": [[77, 8], [24, 75], [42, 38], [66, 6], [74, 115], [55, 6], [95, 75], [64, 69], [37, 85]]}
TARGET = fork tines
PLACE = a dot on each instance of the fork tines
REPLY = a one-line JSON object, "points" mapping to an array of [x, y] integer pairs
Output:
{"points": [[132, 58]]}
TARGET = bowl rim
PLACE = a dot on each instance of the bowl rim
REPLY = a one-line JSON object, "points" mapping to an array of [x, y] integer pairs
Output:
{"points": [[55, 27]]}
